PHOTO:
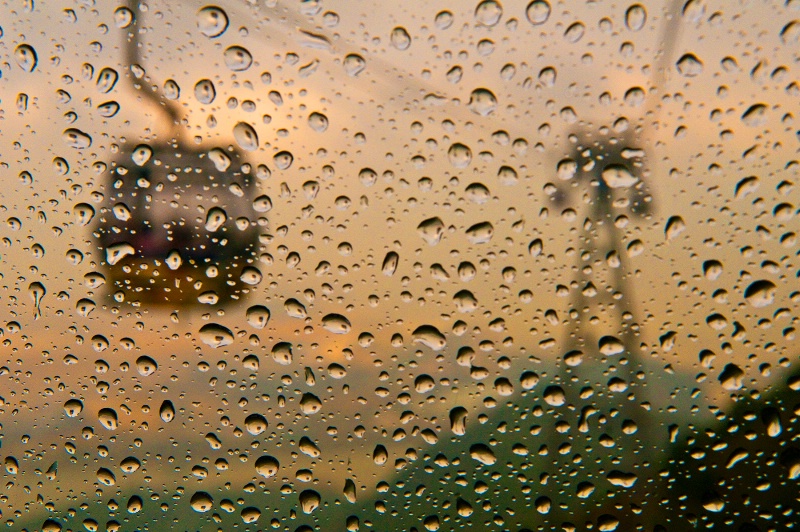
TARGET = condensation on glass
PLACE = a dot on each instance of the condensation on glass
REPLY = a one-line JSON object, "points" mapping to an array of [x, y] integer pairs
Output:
{"points": [[399, 266]]}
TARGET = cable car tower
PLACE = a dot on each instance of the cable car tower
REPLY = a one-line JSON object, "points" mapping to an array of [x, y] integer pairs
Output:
{"points": [[605, 171]]}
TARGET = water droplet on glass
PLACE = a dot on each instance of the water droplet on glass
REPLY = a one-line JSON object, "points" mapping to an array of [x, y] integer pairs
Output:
{"points": [[257, 316], [618, 176], [689, 66], [201, 502], [336, 323], [458, 420], [215, 219], [400, 38], [760, 293], [255, 424], [675, 226], [166, 411], [237, 58], [212, 21], [318, 122], [108, 418], [146, 366], [283, 160], [106, 477], [73, 407], [554, 395], [75, 138], [575, 32], [488, 13], [483, 454], [123, 17], [538, 12], [26, 57], [755, 115], [107, 79], [443, 20], [245, 136], [267, 466], [309, 501], [482, 102], [282, 353], [310, 404], [204, 91], [459, 155], [635, 17], [216, 335], [480, 233], [429, 336], [354, 64], [431, 230]]}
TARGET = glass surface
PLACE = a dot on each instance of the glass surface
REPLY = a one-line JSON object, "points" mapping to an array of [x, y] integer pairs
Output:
{"points": [[306, 265]]}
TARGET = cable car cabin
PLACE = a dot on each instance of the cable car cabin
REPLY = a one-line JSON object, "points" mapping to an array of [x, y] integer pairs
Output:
{"points": [[178, 226], [607, 170]]}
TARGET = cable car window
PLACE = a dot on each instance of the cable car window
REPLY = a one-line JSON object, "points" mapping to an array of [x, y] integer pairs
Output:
{"points": [[312, 265]]}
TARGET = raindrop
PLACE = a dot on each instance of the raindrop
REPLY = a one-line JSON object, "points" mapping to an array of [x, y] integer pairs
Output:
{"points": [[431, 230], [635, 17], [482, 102], [538, 12], [283, 160], [215, 218], [212, 21], [204, 91], [237, 58], [459, 155], [106, 477], [282, 353], [106, 80], [255, 424], [310, 404], [257, 316], [26, 57], [458, 420], [618, 176], [400, 38], [354, 64], [336, 323], [267, 466], [380, 455], [318, 122], [488, 13], [429, 336], [755, 116], [108, 109], [73, 407], [216, 335], [146, 366], [554, 395], [760, 293], [309, 501], [689, 66], [483, 454], [166, 411], [480, 233], [75, 138], [245, 136], [201, 502], [108, 418]]}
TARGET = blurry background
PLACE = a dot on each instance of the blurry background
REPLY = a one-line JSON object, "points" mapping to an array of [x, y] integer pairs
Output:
{"points": [[438, 265]]}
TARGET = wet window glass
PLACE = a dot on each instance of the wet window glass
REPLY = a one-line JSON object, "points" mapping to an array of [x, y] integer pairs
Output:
{"points": [[477, 265]]}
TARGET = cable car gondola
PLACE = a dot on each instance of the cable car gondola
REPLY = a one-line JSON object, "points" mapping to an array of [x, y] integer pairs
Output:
{"points": [[178, 223]]}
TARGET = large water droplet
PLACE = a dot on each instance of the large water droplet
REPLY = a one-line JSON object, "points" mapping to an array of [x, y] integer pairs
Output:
{"points": [[216, 335], [212, 21], [245, 136], [26, 57]]}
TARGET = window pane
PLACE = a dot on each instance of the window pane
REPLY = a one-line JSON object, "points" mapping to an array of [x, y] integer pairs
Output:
{"points": [[421, 266]]}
